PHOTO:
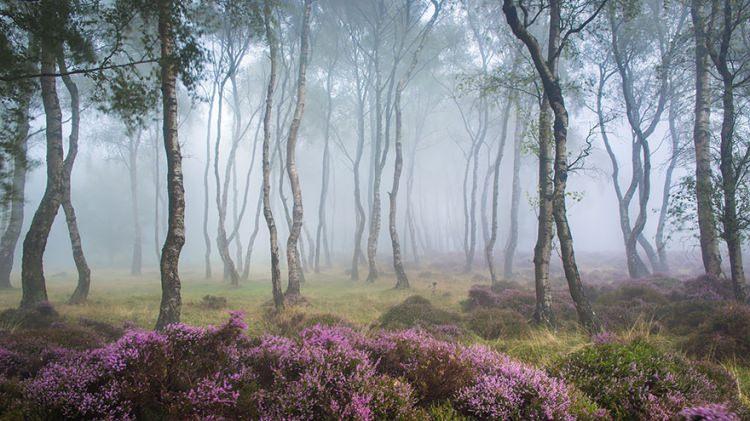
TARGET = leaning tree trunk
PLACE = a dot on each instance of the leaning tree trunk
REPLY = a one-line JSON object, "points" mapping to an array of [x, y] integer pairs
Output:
{"points": [[171, 302], [515, 199], [84, 273], [278, 296], [489, 250], [547, 71], [32, 264], [702, 142], [545, 231], [12, 231], [293, 291]]}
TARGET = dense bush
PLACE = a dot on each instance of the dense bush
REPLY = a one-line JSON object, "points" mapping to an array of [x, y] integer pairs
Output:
{"points": [[635, 380], [324, 373], [493, 323], [724, 334], [417, 311]]}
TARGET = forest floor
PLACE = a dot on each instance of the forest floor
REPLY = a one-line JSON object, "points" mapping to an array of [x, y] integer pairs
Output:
{"points": [[119, 299]]}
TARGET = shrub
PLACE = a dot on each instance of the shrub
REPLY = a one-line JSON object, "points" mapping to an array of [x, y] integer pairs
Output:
{"points": [[417, 311], [324, 373], [493, 323], [481, 383], [323, 376], [636, 380], [723, 335]]}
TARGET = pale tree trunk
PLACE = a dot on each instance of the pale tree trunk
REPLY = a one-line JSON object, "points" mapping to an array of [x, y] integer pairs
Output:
{"points": [[256, 221], [359, 228], [515, 197], [222, 242], [251, 240], [157, 195], [489, 250], [171, 301], [702, 142], [136, 262], [636, 266], [372, 238], [660, 240], [32, 263], [321, 230], [636, 121], [278, 296], [12, 231], [411, 224], [402, 282], [728, 167], [206, 169], [84, 273], [545, 231], [547, 70], [293, 291]]}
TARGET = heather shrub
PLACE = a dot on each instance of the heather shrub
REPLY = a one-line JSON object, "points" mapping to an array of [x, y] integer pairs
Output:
{"points": [[479, 382], [322, 376], [417, 311], [142, 375], [493, 323], [725, 334], [636, 380]]}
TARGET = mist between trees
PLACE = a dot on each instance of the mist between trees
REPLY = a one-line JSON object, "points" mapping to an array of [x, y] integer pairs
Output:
{"points": [[265, 140]]}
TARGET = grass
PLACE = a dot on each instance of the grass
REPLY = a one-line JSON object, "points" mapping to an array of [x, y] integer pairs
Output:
{"points": [[118, 297]]}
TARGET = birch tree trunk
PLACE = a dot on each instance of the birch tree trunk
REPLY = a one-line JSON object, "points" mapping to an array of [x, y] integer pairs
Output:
{"points": [[12, 232], [702, 143], [171, 301], [515, 198], [278, 296], [293, 291], [545, 231], [32, 265], [547, 70]]}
